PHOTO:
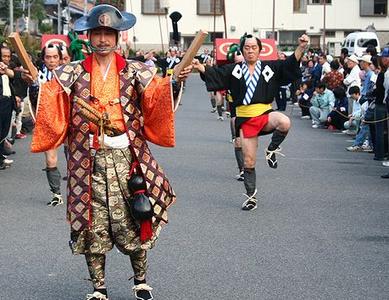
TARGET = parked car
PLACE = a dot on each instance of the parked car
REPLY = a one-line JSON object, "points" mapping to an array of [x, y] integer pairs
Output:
{"points": [[357, 42]]}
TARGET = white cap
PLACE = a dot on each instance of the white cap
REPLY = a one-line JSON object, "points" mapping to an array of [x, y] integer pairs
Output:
{"points": [[366, 58], [353, 58]]}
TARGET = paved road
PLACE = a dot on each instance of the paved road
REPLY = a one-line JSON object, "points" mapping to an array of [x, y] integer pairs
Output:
{"points": [[321, 230]]}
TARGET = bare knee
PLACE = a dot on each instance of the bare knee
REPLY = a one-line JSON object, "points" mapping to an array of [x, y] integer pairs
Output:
{"points": [[249, 161], [284, 123]]}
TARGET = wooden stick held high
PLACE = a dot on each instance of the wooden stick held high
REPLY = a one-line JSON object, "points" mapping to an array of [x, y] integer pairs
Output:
{"points": [[22, 54]]}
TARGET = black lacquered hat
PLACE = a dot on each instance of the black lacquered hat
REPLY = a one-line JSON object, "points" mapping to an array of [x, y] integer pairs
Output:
{"points": [[105, 15]]}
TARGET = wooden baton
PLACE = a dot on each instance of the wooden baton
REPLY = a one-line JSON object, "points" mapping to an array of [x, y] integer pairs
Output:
{"points": [[22, 54], [190, 53]]}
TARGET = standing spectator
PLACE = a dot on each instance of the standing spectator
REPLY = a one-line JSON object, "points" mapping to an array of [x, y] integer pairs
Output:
{"points": [[338, 115], [368, 84], [353, 78], [325, 66], [381, 92], [334, 78], [316, 71], [322, 102], [7, 100]]}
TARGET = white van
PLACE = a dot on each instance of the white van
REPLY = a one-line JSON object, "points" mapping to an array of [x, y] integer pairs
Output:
{"points": [[357, 42]]}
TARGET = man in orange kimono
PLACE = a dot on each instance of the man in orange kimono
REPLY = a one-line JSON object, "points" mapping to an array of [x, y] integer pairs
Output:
{"points": [[106, 108]]}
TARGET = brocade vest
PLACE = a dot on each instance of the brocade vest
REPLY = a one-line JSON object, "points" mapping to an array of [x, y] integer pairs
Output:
{"points": [[134, 78]]}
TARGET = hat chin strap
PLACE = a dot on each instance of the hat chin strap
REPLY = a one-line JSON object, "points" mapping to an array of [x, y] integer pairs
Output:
{"points": [[96, 49]]}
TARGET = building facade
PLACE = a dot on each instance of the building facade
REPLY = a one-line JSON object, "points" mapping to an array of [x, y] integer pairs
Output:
{"points": [[233, 18]]}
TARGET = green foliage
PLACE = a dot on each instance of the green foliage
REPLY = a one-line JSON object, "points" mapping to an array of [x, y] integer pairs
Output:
{"points": [[37, 10], [46, 28]]}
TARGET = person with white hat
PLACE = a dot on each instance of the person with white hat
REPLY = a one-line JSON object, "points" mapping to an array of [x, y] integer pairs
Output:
{"points": [[353, 78], [367, 85]]}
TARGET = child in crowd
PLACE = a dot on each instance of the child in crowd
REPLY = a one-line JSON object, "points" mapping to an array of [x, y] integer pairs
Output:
{"points": [[338, 115]]}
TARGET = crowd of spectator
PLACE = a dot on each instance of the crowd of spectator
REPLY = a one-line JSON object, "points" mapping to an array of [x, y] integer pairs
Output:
{"points": [[349, 95], [334, 93]]}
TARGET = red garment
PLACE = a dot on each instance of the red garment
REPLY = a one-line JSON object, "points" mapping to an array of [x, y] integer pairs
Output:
{"points": [[333, 79], [253, 126]]}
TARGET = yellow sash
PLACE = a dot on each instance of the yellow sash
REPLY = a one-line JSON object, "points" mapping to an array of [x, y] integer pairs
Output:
{"points": [[252, 110]]}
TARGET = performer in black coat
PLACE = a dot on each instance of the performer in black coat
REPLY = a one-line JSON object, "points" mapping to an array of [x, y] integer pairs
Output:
{"points": [[253, 84]]}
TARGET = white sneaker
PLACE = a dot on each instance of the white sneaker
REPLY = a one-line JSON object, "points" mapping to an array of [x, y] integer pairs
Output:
{"points": [[385, 163], [315, 126], [220, 118], [354, 149], [8, 161], [367, 148], [305, 117]]}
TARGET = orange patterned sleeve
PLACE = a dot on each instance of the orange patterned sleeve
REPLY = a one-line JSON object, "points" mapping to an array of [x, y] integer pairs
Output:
{"points": [[157, 108], [52, 117]]}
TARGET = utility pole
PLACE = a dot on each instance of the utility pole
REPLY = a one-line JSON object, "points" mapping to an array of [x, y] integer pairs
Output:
{"points": [[160, 32], [274, 19], [11, 15], [59, 17], [28, 15], [324, 26], [225, 19]]}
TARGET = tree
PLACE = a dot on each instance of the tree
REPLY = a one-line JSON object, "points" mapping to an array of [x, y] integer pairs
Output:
{"points": [[37, 9]]}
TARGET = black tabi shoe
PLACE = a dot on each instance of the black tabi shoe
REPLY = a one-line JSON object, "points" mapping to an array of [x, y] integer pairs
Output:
{"points": [[250, 203], [143, 292], [96, 296], [57, 200], [386, 176], [271, 157]]}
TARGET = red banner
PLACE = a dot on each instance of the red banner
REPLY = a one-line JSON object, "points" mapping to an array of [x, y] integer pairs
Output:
{"points": [[57, 39], [269, 49]]}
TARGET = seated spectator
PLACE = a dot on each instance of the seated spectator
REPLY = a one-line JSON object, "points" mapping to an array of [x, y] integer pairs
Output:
{"points": [[334, 78], [354, 118], [363, 140], [304, 95], [338, 115], [322, 102]]}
